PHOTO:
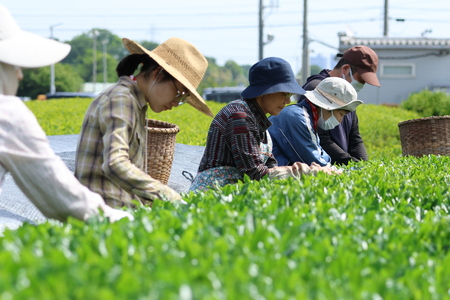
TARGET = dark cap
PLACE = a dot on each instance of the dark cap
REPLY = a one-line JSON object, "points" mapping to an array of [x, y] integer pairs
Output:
{"points": [[365, 60]]}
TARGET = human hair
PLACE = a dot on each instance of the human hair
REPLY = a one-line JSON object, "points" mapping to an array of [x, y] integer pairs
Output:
{"points": [[342, 62], [129, 64]]}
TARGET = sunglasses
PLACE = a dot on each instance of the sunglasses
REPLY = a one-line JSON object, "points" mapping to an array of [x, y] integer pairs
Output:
{"points": [[181, 97]]}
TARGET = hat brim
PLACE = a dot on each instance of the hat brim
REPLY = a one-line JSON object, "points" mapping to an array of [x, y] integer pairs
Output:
{"points": [[28, 50], [369, 77], [254, 91], [195, 100], [321, 101]]}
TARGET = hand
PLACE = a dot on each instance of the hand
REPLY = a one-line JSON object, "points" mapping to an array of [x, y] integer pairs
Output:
{"points": [[171, 195], [330, 170], [115, 214], [296, 171]]}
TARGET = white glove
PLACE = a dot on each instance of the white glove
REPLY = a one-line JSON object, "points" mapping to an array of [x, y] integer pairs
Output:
{"points": [[330, 170], [115, 214], [296, 171]]}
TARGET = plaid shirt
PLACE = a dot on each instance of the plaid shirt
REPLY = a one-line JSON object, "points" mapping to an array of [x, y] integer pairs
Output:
{"points": [[234, 140], [111, 149]]}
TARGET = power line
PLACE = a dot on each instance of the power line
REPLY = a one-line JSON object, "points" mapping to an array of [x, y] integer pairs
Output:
{"points": [[238, 27]]}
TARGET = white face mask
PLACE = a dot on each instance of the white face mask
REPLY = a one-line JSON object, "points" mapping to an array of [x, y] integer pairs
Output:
{"points": [[356, 84], [329, 124]]}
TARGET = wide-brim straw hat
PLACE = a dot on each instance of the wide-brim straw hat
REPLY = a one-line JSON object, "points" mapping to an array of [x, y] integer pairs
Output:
{"points": [[183, 61], [25, 49], [334, 93]]}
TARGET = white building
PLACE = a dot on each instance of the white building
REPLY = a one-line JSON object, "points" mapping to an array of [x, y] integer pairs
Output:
{"points": [[98, 87], [406, 65]]}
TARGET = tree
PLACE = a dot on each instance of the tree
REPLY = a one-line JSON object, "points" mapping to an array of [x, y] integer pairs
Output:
{"points": [[238, 73], [148, 45], [315, 69], [84, 67], [81, 55], [231, 74], [37, 81], [81, 59]]}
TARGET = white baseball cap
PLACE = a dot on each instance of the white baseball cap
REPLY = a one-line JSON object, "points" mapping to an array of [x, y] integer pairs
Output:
{"points": [[334, 93], [24, 49]]}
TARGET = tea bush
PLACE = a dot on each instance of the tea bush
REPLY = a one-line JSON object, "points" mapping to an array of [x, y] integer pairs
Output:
{"points": [[378, 124], [427, 103], [381, 232], [65, 116]]}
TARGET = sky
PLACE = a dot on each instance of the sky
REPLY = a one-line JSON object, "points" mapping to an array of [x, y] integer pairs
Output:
{"points": [[228, 30]]}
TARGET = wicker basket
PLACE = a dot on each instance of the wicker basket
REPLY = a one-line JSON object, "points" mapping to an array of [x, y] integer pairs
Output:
{"points": [[160, 148], [425, 136]]}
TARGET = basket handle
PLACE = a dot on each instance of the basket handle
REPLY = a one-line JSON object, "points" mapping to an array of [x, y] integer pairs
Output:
{"points": [[190, 177]]}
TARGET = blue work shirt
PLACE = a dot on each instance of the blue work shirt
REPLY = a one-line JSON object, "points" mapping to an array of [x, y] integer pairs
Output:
{"points": [[295, 138]]}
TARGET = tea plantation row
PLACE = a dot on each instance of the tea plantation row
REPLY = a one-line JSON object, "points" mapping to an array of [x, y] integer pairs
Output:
{"points": [[378, 124], [381, 231]]}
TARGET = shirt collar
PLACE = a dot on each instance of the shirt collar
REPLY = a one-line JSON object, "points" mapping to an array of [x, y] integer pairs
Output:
{"points": [[315, 113], [263, 121], [132, 85]]}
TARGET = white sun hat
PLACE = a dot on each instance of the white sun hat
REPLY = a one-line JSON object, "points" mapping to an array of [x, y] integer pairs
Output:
{"points": [[24, 49], [334, 93]]}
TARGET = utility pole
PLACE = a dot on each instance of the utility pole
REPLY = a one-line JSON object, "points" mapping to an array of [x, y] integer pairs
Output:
{"points": [[52, 67], [261, 29], [386, 18], [104, 42], [94, 58], [270, 37], [305, 54]]}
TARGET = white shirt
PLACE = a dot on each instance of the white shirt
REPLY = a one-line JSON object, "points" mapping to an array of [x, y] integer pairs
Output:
{"points": [[41, 175]]}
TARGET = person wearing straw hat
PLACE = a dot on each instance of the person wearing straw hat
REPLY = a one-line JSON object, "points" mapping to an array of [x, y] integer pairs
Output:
{"points": [[24, 149], [238, 143], [294, 130], [111, 152]]}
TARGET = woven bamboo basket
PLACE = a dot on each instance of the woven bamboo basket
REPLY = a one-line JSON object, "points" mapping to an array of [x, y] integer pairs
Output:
{"points": [[425, 136], [160, 148]]}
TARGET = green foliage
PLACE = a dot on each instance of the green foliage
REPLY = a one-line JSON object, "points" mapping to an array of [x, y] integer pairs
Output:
{"points": [[231, 74], [81, 55], [427, 103], [37, 81], [60, 116], [65, 116], [315, 69], [193, 124], [378, 126], [148, 45], [381, 232]]}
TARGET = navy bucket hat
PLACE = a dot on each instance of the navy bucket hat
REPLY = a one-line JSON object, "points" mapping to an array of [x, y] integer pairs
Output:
{"points": [[271, 75]]}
